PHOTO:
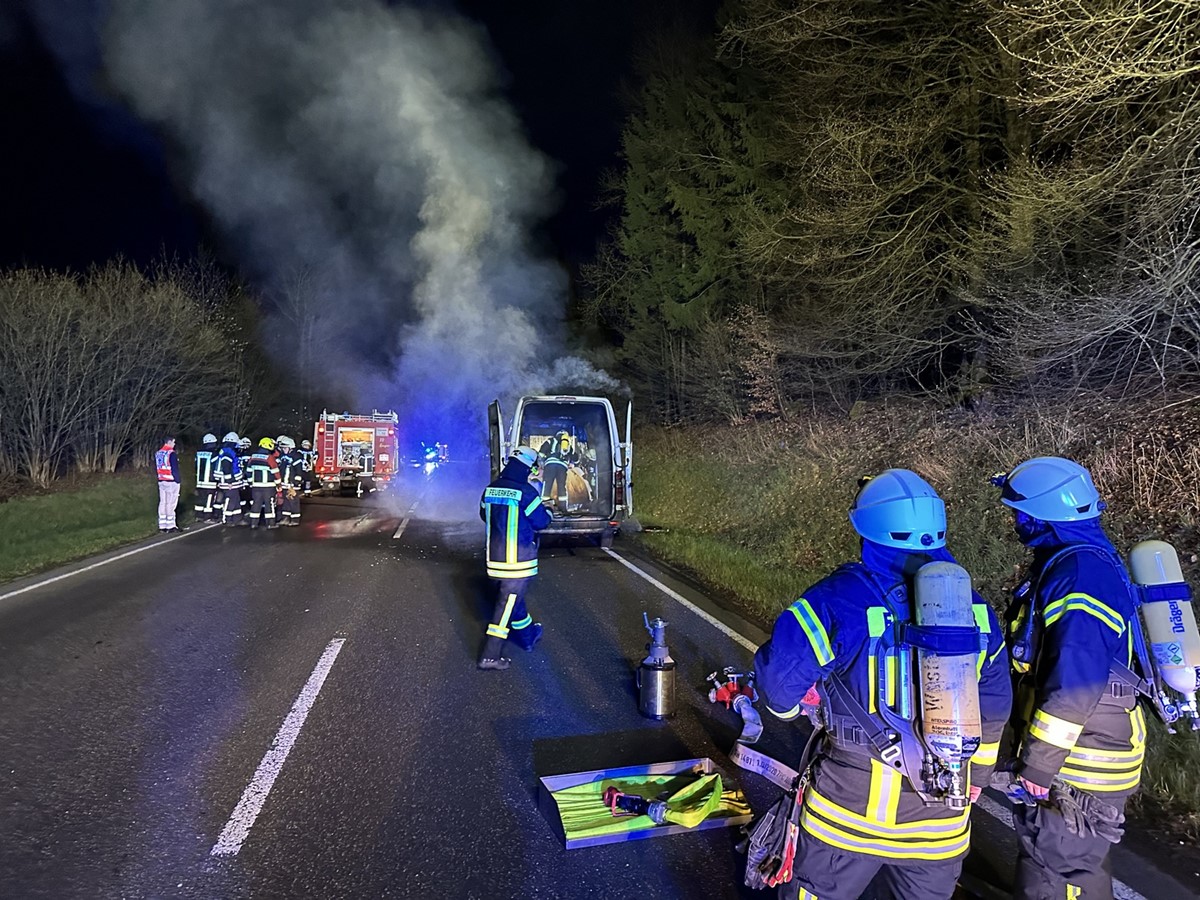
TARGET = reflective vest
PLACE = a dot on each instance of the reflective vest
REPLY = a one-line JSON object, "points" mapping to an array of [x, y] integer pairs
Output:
{"points": [[162, 462], [204, 469], [513, 511]]}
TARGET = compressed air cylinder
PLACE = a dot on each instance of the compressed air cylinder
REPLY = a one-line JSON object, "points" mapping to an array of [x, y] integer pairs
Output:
{"points": [[949, 684], [1170, 624]]}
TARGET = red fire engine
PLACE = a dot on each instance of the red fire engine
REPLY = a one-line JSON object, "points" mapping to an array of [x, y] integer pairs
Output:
{"points": [[356, 452]]}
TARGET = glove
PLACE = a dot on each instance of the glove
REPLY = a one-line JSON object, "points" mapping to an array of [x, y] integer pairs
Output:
{"points": [[810, 705], [291, 493], [974, 793], [1087, 816]]}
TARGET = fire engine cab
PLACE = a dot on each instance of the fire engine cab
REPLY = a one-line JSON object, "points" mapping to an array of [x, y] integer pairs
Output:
{"points": [[355, 453]]}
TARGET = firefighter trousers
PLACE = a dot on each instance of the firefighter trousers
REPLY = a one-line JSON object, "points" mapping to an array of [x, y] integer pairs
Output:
{"points": [[289, 507], [229, 503], [1053, 864], [824, 872], [555, 486], [206, 503], [510, 620], [262, 506]]}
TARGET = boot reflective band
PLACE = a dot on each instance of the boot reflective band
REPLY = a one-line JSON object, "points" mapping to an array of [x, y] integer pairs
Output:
{"points": [[1054, 730]]}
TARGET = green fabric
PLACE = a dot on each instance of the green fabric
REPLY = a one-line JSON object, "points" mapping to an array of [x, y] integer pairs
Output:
{"points": [[690, 800]]}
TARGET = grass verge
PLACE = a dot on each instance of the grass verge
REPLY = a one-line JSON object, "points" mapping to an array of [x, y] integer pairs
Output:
{"points": [[39, 532], [758, 513]]}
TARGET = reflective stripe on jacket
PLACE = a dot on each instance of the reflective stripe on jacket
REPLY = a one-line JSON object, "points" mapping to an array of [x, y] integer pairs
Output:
{"points": [[513, 511]]}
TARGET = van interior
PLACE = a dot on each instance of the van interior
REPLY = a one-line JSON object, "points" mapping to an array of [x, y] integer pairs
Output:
{"points": [[578, 435]]}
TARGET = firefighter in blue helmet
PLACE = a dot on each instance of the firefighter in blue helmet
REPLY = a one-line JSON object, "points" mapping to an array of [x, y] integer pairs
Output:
{"points": [[860, 813], [1080, 735], [514, 513], [206, 480], [227, 471]]}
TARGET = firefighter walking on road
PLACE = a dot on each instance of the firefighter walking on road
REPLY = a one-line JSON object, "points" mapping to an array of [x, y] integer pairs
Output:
{"points": [[1080, 733], [229, 477], [166, 463], [263, 477], [291, 479], [513, 511], [206, 481], [869, 804]]}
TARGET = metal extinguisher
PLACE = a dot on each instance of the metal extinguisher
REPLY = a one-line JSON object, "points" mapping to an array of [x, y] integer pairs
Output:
{"points": [[656, 674]]}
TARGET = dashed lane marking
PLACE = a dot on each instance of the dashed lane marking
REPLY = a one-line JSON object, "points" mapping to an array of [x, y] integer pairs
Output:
{"points": [[1121, 891], [105, 562], [237, 829]]}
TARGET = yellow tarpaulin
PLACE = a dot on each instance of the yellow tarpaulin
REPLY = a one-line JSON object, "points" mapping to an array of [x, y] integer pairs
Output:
{"points": [[690, 800]]}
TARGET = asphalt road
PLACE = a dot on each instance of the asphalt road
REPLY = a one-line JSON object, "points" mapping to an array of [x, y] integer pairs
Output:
{"points": [[296, 713]]}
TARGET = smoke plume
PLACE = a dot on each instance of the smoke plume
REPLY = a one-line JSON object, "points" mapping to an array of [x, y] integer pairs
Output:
{"points": [[361, 165]]}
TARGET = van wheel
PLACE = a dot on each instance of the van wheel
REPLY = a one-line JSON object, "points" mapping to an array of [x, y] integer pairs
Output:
{"points": [[606, 540]]}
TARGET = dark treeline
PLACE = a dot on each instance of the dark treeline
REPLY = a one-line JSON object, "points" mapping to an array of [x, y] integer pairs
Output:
{"points": [[829, 201], [99, 367]]}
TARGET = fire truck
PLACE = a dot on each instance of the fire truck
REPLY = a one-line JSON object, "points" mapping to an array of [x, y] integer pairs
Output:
{"points": [[356, 453]]}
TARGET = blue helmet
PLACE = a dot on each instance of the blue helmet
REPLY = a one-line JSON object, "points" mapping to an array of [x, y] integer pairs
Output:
{"points": [[899, 508], [1051, 489]]}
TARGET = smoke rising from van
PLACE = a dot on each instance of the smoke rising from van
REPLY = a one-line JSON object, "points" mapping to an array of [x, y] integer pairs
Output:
{"points": [[361, 166]]}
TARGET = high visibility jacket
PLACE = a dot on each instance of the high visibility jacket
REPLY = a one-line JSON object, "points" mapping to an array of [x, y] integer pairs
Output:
{"points": [[1075, 717], [261, 470], [205, 469], [855, 801], [291, 470], [513, 511], [167, 464], [227, 468], [306, 460]]}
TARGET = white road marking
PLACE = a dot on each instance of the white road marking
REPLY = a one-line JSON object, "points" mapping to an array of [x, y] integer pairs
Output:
{"points": [[1121, 891], [237, 829], [105, 562], [407, 517]]}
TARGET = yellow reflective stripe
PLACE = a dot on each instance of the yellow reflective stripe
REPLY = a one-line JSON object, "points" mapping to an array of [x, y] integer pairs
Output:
{"points": [[814, 630], [986, 755], [1083, 603], [513, 566], [884, 798], [534, 504], [508, 608], [518, 570], [1074, 891], [872, 687], [940, 848], [1053, 730], [790, 714], [497, 631], [1101, 781], [806, 894], [510, 539], [982, 619], [876, 625], [818, 803]]}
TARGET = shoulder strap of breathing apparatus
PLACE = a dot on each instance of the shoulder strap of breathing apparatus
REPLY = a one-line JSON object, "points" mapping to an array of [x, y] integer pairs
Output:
{"points": [[1146, 684], [893, 731]]}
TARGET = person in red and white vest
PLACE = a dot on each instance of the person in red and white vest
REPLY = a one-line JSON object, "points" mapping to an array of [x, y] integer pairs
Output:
{"points": [[166, 463]]}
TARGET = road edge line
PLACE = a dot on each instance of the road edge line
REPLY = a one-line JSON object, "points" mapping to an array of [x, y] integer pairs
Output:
{"points": [[242, 819], [1121, 891], [105, 562]]}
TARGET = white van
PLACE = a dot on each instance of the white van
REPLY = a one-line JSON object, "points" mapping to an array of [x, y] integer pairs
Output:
{"points": [[575, 437]]}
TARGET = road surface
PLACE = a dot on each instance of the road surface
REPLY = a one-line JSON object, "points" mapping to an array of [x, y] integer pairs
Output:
{"points": [[296, 713]]}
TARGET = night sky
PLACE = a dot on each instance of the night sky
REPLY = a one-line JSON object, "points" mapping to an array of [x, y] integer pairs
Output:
{"points": [[82, 180]]}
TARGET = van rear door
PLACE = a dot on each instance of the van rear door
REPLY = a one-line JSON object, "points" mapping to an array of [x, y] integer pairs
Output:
{"points": [[496, 446], [627, 460]]}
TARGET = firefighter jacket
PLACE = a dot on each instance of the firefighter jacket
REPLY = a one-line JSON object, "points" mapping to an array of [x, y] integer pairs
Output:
{"points": [[261, 470], [228, 468], [855, 801], [554, 454], [1076, 717], [291, 471], [167, 464], [206, 469], [513, 511]]}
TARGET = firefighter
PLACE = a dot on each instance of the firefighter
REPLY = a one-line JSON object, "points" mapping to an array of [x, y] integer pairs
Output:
{"points": [[1080, 736], [513, 511], [229, 477], [559, 456], [166, 464], [244, 449], [860, 814], [291, 479], [263, 477], [306, 459], [206, 483]]}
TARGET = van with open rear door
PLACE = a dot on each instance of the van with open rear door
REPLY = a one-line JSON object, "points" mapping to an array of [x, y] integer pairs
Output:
{"points": [[585, 466]]}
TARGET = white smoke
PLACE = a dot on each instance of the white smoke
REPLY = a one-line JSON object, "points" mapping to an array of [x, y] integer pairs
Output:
{"points": [[363, 151]]}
